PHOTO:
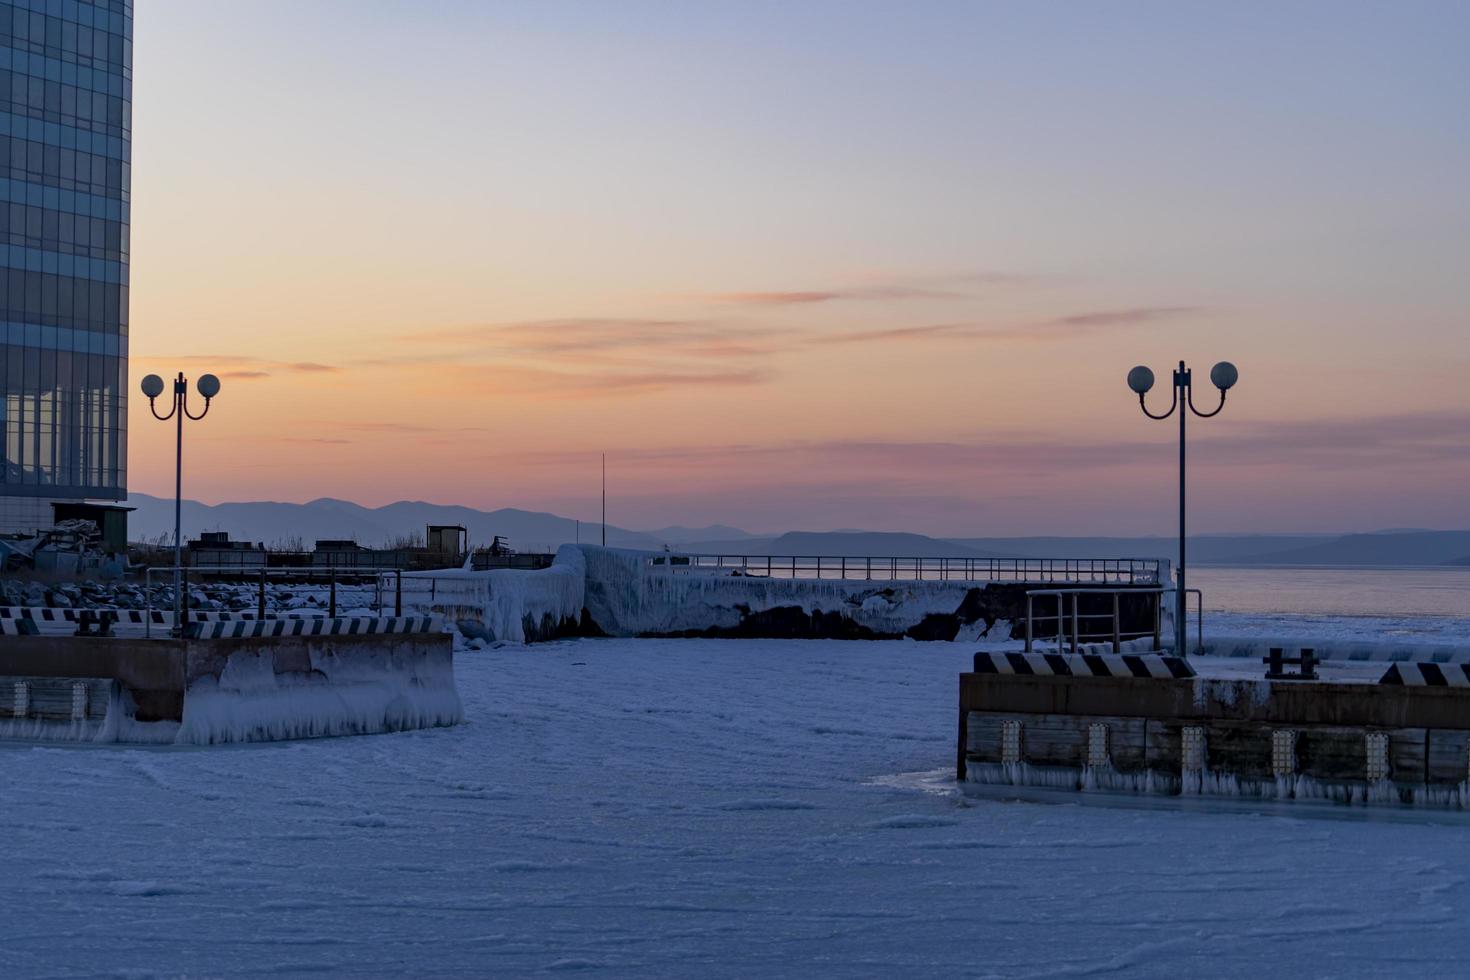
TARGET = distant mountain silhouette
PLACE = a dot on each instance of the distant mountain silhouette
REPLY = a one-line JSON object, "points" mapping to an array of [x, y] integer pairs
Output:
{"points": [[1383, 548], [874, 544], [1205, 549], [280, 524]]}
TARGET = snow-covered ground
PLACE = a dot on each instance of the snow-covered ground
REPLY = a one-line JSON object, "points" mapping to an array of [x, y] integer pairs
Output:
{"points": [[686, 808]]}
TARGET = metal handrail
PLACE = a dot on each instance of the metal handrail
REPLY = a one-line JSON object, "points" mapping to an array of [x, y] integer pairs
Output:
{"points": [[1115, 616], [1119, 571], [333, 573]]}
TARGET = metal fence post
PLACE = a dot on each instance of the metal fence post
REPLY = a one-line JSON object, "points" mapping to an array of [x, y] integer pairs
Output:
{"points": [[332, 595], [1158, 620], [260, 603], [398, 595], [1061, 623], [1028, 622], [1117, 637], [1199, 619], [1076, 599]]}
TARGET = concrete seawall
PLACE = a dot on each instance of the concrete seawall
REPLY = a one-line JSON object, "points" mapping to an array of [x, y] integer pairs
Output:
{"points": [[208, 690], [614, 592]]}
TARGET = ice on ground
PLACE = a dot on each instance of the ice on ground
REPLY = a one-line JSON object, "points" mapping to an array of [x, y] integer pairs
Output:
{"points": [[501, 603], [679, 808]]}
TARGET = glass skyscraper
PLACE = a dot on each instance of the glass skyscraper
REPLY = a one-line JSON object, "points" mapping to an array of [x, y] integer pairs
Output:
{"points": [[66, 91]]}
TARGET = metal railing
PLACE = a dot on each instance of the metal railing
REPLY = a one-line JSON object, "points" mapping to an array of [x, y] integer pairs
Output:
{"points": [[483, 561], [260, 576], [1101, 571], [1116, 635], [428, 590]]}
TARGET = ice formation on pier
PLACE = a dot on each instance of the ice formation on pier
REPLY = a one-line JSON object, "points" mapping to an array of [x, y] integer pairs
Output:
{"points": [[505, 604], [250, 702]]}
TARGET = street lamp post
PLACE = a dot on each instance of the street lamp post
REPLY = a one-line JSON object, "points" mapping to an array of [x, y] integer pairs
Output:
{"points": [[1141, 379], [208, 386]]}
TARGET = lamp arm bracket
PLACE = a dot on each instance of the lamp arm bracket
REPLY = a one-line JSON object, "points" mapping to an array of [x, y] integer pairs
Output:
{"points": [[1173, 405], [1206, 415]]}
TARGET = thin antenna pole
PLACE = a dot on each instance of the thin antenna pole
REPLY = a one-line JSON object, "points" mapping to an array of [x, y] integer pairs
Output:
{"points": [[604, 500]]}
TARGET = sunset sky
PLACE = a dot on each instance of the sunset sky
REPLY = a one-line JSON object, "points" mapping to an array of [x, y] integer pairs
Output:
{"points": [[801, 265]]}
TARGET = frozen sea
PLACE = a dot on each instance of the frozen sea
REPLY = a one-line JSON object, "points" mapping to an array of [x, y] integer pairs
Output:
{"points": [[683, 808]]}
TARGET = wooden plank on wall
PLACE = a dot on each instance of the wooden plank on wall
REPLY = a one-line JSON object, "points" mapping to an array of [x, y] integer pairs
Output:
{"points": [[1408, 753], [1326, 752], [1341, 753], [1447, 757], [1162, 744]]}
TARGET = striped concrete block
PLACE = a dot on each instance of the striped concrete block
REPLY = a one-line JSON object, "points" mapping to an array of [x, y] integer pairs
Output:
{"points": [[1256, 647], [1085, 665], [46, 614], [1427, 675], [357, 626]]}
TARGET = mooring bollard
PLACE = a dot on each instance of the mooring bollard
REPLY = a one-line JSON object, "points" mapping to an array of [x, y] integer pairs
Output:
{"points": [[1276, 661]]}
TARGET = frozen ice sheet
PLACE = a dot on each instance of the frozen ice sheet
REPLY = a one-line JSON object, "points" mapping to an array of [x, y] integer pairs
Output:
{"points": [[686, 808]]}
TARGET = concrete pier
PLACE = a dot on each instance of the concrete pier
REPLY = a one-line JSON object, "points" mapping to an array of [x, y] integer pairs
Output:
{"points": [[1339, 739], [338, 680]]}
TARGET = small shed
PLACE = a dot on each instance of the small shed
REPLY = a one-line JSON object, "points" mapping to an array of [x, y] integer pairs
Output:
{"points": [[111, 521], [447, 540]]}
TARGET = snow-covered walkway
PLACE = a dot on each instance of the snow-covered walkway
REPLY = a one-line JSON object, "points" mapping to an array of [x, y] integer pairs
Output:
{"points": [[687, 808]]}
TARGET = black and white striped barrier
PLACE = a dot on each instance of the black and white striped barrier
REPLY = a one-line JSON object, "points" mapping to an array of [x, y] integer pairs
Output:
{"points": [[138, 617], [1427, 675], [36, 621], [1257, 647], [1150, 665], [356, 626]]}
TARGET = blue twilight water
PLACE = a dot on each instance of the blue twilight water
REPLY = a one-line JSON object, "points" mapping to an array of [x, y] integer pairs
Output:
{"points": [[1335, 591]]}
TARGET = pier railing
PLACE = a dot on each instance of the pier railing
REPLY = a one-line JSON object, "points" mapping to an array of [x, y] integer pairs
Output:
{"points": [[1114, 632], [1069, 571]]}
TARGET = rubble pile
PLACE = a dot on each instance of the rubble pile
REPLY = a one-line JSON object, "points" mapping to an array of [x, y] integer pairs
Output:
{"points": [[66, 548], [280, 597]]}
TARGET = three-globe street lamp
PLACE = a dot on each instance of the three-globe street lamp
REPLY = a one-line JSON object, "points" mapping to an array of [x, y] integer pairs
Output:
{"points": [[1141, 379], [208, 386]]}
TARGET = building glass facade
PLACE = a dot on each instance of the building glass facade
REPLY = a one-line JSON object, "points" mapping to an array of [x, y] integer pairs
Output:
{"points": [[66, 87]]}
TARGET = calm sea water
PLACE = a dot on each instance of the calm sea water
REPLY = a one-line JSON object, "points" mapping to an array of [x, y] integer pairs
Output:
{"points": [[1335, 591]]}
